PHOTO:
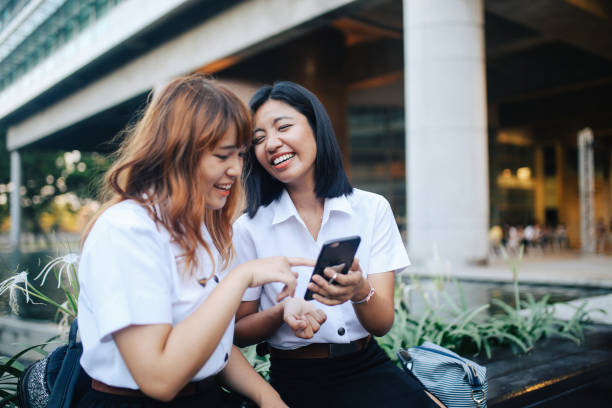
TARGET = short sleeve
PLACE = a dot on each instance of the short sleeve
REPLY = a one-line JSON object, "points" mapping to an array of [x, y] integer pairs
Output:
{"points": [[125, 273], [388, 251], [245, 251]]}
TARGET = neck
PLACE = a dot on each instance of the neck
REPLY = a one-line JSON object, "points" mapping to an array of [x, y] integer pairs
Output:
{"points": [[305, 199], [309, 206]]}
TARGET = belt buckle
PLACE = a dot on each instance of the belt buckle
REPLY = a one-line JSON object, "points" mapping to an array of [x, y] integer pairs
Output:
{"points": [[342, 349]]}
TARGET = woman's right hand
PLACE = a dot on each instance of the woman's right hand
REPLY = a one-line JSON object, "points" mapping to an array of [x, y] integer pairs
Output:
{"points": [[303, 317], [275, 269]]}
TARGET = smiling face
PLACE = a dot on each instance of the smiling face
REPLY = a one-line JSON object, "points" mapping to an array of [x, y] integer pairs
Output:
{"points": [[220, 168], [284, 144]]}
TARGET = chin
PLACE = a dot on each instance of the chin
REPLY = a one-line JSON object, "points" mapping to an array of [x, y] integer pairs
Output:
{"points": [[284, 177], [216, 205]]}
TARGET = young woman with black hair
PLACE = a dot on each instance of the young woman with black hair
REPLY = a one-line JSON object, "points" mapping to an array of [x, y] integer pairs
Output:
{"points": [[298, 197], [158, 291]]}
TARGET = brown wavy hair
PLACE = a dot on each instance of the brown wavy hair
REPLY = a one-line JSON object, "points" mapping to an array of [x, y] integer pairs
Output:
{"points": [[157, 163]]}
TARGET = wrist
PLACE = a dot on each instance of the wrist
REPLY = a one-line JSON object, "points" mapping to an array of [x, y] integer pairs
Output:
{"points": [[280, 309], [244, 274], [362, 291], [366, 298]]}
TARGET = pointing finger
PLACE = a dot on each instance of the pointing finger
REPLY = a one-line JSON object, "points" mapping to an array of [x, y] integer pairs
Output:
{"points": [[296, 261]]}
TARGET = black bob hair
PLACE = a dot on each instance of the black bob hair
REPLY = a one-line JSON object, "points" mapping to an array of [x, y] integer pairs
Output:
{"points": [[330, 179]]}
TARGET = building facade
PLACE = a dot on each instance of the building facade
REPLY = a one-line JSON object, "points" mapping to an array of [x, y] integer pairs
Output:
{"points": [[463, 113]]}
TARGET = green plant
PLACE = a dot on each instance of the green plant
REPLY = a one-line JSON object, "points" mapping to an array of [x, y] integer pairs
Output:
{"points": [[261, 364], [447, 323], [65, 271], [469, 331]]}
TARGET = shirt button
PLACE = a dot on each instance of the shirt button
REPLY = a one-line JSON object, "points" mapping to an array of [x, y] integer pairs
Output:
{"points": [[226, 356], [216, 278], [341, 331]]}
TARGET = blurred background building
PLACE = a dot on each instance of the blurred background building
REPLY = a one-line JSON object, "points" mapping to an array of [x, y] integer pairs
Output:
{"points": [[463, 113]]}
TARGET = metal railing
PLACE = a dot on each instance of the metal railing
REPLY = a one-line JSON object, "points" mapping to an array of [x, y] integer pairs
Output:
{"points": [[46, 29], [9, 10]]}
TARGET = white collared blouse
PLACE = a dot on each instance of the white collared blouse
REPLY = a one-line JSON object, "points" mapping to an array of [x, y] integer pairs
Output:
{"points": [[129, 275], [279, 230]]}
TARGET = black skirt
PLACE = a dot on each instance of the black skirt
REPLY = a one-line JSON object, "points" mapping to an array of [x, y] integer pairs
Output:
{"points": [[213, 396], [367, 378]]}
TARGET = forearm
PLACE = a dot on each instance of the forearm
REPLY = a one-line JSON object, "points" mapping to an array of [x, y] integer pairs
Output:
{"points": [[259, 326], [203, 329], [239, 376], [163, 362], [377, 314]]}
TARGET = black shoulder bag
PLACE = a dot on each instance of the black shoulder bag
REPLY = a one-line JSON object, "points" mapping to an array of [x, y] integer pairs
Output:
{"points": [[56, 381]]}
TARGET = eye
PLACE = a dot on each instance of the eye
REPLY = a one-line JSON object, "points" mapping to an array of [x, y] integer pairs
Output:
{"points": [[242, 155], [257, 139], [284, 127], [221, 156]]}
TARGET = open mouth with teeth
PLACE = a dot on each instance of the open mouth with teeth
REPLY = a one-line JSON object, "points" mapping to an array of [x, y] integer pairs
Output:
{"points": [[224, 189], [282, 160]]}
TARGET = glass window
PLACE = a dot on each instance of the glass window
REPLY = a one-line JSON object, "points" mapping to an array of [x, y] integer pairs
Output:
{"points": [[377, 154]]}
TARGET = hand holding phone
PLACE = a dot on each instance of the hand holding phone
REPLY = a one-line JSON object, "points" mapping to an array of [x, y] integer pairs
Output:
{"points": [[334, 253]]}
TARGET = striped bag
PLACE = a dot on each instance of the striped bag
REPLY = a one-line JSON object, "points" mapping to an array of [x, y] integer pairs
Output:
{"points": [[456, 381]]}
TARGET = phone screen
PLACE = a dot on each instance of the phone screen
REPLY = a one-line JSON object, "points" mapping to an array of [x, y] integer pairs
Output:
{"points": [[335, 252]]}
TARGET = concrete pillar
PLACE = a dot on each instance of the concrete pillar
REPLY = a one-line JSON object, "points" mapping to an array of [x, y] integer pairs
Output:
{"points": [[586, 188], [446, 129], [15, 234]]}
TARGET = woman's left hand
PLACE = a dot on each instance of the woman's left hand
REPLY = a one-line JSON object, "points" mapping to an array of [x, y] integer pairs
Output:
{"points": [[350, 286]]}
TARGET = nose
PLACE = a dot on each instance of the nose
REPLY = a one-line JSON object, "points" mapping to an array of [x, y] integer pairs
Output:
{"points": [[235, 167], [273, 142]]}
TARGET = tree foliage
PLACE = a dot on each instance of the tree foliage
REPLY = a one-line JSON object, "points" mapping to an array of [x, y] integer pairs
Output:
{"points": [[52, 181]]}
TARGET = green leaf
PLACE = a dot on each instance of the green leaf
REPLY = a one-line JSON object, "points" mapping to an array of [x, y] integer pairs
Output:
{"points": [[503, 305], [514, 340], [10, 361]]}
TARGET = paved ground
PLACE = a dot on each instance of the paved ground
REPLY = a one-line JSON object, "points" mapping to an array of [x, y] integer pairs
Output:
{"points": [[569, 269]]}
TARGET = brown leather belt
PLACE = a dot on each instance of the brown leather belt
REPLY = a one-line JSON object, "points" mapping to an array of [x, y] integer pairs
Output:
{"points": [[322, 350], [191, 388]]}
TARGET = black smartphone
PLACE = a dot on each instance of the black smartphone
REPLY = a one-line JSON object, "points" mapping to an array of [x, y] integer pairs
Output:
{"points": [[335, 252]]}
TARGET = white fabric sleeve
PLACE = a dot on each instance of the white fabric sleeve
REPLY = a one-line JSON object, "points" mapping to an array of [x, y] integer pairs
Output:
{"points": [[126, 273], [245, 251], [388, 251]]}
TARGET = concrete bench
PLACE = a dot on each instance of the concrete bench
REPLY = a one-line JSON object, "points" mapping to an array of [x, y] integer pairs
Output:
{"points": [[556, 373]]}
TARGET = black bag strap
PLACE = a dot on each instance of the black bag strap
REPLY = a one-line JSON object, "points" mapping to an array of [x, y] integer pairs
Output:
{"points": [[74, 328], [63, 390]]}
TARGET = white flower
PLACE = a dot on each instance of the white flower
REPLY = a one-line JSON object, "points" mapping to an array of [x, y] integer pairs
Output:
{"points": [[66, 261], [12, 284]]}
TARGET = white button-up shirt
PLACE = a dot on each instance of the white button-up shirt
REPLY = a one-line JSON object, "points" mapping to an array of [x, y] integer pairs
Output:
{"points": [[129, 275], [278, 229]]}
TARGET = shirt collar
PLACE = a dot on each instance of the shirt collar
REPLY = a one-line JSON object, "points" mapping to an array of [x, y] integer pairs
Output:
{"points": [[285, 209], [338, 204]]}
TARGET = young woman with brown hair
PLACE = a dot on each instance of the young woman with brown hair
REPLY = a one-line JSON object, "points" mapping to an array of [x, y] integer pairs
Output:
{"points": [[158, 298]]}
